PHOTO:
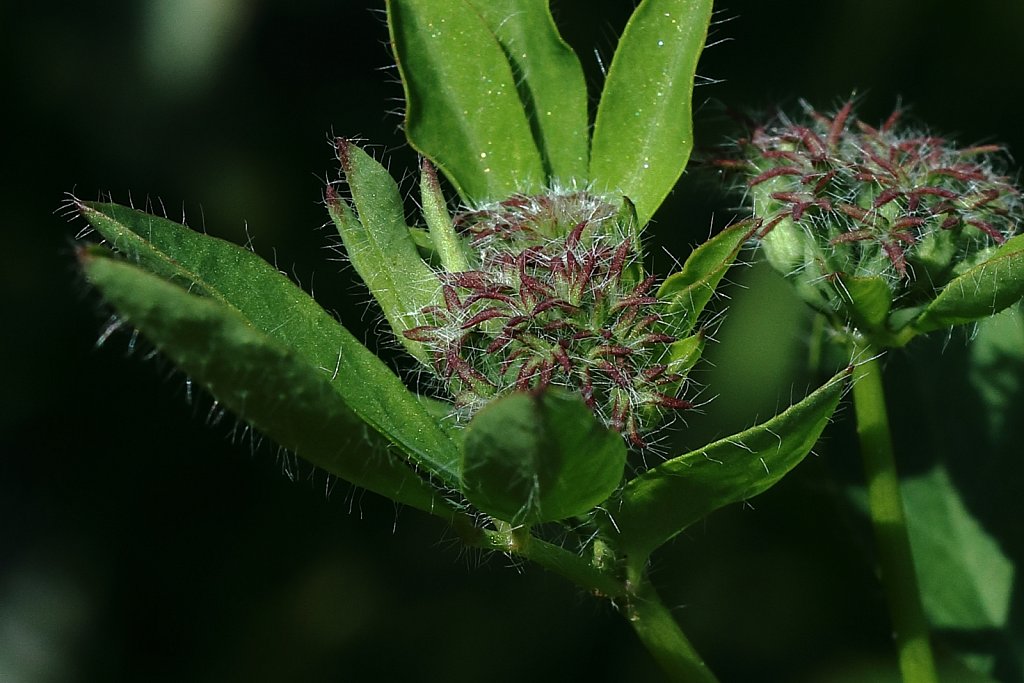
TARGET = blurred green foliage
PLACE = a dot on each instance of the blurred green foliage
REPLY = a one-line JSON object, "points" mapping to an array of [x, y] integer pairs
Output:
{"points": [[197, 560]]}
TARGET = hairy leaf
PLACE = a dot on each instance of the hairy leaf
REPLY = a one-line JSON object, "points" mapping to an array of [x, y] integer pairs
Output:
{"points": [[688, 291], [981, 291], [272, 304], [666, 499], [684, 353], [643, 133], [445, 240], [264, 381], [379, 245]]}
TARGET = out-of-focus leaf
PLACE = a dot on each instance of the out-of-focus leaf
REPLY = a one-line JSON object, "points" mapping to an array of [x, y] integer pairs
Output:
{"points": [[272, 304], [643, 133], [534, 457], [268, 384], [688, 291], [997, 371], [379, 245], [981, 291], [550, 82], [463, 110], [666, 499], [966, 580]]}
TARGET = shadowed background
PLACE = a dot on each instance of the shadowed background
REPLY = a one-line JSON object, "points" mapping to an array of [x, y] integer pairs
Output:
{"points": [[140, 542]]}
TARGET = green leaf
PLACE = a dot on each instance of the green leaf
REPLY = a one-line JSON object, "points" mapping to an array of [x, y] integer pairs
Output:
{"points": [[268, 384], [643, 133], [272, 304], [684, 353], [868, 299], [996, 373], [980, 292], [539, 457], [550, 82], [379, 245], [463, 110], [966, 580], [688, 291], [445, 240], [666, 499]]}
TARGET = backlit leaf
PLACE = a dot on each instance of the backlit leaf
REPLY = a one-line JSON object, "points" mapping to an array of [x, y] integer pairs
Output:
{"points": [[643, 133], [550, 82], [463, 110]]}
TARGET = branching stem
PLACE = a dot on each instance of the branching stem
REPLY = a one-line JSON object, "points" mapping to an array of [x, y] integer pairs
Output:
{"points": [[552, 557], [640, 604]]}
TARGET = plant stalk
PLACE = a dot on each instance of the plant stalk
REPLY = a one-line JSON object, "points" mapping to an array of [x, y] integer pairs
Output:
{"points": [[661, 635], [896, 562], [554, 558], [640, 603]]}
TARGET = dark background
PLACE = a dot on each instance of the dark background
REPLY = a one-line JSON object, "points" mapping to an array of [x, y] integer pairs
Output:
{"points": [[139, 542]]}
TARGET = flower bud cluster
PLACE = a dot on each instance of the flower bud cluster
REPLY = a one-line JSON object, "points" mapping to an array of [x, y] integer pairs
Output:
{"points": [[556, 296], [833, 195]]}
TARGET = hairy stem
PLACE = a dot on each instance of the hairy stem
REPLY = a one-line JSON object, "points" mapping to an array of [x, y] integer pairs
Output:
{"points": [[569, 565], [885, 503], [661, 635]]}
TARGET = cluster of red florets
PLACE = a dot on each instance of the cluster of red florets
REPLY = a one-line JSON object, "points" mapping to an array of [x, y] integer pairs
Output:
{"points": [[557, 297], [875, 200]]}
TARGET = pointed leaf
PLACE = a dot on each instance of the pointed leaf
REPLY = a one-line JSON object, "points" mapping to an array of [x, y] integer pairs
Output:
{"points": [[446, 241], [643, 133], [550, 81], [463, 111], [379, 245], [265, 382], [684, 353], [539, 457], [689, 290], [981, 291], [271, 303], [666, 499]]}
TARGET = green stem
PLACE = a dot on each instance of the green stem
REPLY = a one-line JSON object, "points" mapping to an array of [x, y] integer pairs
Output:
{"points": [[661, 635], [896, 562], [554, 558], [641, 605]]}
